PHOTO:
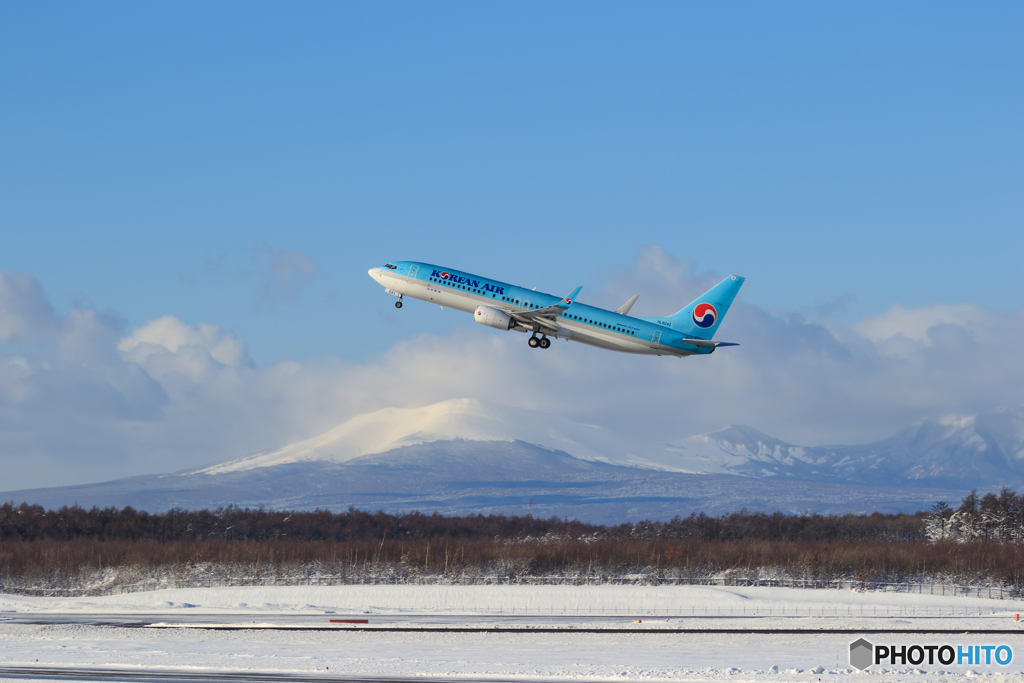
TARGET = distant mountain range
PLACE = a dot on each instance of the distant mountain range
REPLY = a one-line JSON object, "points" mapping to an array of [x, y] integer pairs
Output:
{"points": [[984, 451], [464, 456]]}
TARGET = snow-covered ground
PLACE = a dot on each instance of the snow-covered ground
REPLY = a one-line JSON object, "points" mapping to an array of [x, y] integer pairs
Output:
{"points": [[521, 654], [585, 601]]}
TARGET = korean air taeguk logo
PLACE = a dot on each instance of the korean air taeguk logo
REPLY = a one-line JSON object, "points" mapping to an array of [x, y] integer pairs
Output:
{"points": [[704, 315]]}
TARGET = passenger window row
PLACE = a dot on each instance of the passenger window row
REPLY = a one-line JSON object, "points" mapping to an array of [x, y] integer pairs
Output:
{"points": [[614, 328]]}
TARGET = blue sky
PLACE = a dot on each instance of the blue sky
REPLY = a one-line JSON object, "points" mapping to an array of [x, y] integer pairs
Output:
{"points": [[871, 150], [243, 164]]}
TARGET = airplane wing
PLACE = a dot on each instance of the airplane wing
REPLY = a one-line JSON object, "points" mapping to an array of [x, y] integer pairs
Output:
{"points": [[545, 317]]}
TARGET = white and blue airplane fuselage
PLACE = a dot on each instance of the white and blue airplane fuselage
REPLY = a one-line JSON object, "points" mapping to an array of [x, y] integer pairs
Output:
{"points": [[508, 307]]}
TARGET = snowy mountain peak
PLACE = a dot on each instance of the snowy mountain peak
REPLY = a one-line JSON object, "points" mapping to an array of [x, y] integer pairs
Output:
{"points": [[741, 434], [467, 419], [738, 447], [384, 430]]}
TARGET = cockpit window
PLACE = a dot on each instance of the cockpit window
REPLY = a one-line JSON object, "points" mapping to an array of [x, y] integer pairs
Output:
{"points": [[390, 267]]}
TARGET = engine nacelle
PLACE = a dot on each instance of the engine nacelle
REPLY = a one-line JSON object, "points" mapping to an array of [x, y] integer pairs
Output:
{"points": [[492, 317]]}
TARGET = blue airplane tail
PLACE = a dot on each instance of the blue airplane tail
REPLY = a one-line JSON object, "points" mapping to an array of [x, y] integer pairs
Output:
{"points": [[702, 317]]}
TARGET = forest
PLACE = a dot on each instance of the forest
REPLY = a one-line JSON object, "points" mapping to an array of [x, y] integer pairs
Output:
{"points": [[77, 551]]}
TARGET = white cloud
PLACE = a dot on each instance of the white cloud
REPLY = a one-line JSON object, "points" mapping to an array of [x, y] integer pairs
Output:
{"points": [[169, 345], [168, 395], [25, 313], [914, 324]]}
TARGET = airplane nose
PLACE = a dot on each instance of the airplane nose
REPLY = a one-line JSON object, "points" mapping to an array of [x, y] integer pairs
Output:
{"points": [[374, 272]]}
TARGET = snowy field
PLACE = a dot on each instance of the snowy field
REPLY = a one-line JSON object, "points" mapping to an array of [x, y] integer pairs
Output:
{"points": [[64, 632]]}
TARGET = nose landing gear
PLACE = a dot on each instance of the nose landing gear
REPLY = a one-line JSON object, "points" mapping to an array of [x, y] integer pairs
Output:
{"points": [[542, 342], [398, 304]]}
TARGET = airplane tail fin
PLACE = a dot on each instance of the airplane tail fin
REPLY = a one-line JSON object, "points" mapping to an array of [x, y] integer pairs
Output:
{"points": [[702, 317]]}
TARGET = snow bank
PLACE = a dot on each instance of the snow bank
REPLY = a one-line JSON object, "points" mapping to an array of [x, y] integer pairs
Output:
{"points": [[584, 600]]}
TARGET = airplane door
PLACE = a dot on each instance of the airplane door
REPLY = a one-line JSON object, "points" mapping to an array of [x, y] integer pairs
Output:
{"points": [[656, 338], [413, 270]]}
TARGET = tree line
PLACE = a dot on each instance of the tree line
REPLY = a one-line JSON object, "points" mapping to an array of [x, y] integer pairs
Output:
{"points": [[992, 517], [989, 518], [26, 522], [73, 547]]}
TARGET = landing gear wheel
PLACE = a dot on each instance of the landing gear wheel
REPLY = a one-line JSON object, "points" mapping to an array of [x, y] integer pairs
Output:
{"points": [[533, 342], [545, 342], [398, 304]]}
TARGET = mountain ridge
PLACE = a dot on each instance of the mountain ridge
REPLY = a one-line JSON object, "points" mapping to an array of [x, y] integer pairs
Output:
{"points": [[486, 477], [462, 456], [983, 450]]}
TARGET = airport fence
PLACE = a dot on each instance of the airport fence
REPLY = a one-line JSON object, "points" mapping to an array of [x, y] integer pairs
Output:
{"points": [[157, 582]]}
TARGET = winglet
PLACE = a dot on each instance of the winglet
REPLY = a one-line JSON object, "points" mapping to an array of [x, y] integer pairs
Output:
{"points": [[624, 308], [567, 301]]}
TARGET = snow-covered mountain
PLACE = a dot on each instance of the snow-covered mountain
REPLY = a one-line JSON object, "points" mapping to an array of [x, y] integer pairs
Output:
{"points": [[985, 450], [981, 450], [465, 456], [742, 450], [466, 419], [487, 477]]}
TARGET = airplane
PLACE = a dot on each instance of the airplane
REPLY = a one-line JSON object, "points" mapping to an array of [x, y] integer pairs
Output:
{"points": [[508, 307]]}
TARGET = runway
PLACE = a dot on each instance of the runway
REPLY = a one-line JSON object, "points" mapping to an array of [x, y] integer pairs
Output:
{"points": [[491, 624], [91, 674]]}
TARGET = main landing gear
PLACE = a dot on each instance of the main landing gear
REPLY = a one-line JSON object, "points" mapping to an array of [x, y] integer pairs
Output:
{"points": [[542, 342]]}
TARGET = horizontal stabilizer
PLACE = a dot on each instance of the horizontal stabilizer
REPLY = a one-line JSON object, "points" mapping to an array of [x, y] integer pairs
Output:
{"points": [[705, 342]]}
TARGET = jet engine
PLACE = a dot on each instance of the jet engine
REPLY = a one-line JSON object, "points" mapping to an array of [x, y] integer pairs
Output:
{"points": [[492, 317]]}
